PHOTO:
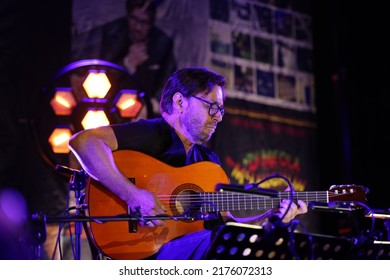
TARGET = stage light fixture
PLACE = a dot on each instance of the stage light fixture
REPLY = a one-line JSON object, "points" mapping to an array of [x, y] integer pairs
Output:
{"points": [[96, 84], [63, 102], [59, 140], [82, 95], [128, 104], [94, 118]]}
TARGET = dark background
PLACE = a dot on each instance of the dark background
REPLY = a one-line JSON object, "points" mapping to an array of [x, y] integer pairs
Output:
{"points": [[351, 59], [351, 68]]}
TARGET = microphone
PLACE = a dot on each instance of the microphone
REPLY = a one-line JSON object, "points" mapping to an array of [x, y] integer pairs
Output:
{"points": [[78, 179], [68, 170]]}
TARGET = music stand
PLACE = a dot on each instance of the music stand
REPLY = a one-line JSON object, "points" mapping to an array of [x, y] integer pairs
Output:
{"points": [[240, 241], [377, 250]]}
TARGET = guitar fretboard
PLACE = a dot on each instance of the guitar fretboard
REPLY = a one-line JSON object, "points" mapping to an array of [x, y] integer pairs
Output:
{"points": [[232, 201]]}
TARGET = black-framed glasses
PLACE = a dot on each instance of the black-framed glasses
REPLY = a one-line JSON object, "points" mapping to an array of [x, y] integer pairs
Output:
{"points": [[142, 22], [213, 107]]}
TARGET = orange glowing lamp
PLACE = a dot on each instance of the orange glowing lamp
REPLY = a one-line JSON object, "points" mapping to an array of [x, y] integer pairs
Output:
{"points": [[94, 118], [128, 104], [96, 84], [59, 139], [63, 102]]}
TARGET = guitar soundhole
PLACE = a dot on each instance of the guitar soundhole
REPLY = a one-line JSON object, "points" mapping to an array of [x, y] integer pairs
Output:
{"points": [[185, 200]]}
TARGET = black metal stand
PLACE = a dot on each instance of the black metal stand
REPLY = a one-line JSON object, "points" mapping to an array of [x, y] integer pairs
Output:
{"points": [[36, 235], [381, 214], [77, 183], [81, 219]]}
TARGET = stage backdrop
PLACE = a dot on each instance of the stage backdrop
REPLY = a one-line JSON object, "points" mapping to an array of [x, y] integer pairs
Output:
{"points": [[264, 48]]}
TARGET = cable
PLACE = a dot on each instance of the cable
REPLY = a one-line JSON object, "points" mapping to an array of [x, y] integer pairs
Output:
{"points": [[290, 186], [201, 216]]}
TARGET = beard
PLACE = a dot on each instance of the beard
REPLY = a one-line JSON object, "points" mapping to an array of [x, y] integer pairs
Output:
{"points": [[198, 128]]}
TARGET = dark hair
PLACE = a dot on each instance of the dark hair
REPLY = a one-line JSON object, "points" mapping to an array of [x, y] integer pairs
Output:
{"points": [[189, 81], [132, 4]]}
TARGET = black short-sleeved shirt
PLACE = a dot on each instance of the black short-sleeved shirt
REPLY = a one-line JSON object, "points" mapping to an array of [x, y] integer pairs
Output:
{"points": [[155, 137]]}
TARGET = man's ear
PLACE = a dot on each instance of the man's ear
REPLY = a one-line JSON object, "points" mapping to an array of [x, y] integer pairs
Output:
{"points": [[178, 101]]}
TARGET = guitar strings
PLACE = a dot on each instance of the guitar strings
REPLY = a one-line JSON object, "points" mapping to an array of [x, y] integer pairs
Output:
{"points": [[239, 201], [231, 195], [313, 194]]}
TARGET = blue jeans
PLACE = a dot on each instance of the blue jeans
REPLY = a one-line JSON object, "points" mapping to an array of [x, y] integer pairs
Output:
{"points": [[192, 246]]}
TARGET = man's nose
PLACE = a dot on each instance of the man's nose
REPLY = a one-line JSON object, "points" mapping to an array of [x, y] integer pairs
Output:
{"points": [[218, 116]]}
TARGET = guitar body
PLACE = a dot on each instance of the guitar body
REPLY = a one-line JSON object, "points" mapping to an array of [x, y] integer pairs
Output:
{"points": [[113, 238]]}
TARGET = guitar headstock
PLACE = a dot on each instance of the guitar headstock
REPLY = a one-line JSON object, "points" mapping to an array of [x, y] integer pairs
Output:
{"points": [[348, 194]]}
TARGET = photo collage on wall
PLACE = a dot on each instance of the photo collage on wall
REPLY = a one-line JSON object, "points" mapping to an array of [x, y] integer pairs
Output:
{"points": [[265, 50]]}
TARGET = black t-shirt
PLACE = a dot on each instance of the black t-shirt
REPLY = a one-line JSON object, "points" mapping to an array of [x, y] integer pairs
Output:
{"points": [[156, 138]]}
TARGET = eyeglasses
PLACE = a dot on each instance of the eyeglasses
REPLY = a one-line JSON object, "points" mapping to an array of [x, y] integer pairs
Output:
{"points": [[137, 20], [213, 107]]}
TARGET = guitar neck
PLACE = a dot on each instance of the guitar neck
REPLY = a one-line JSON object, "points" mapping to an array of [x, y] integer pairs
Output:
{"points": [[232, 201]]}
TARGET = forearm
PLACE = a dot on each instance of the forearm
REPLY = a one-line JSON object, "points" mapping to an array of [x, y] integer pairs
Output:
{"points": [[95, 157], [94, 150]]}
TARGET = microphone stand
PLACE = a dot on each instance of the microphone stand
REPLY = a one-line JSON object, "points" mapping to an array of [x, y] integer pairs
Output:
{"points": [[387, 226], [77, 182], [81, 218]]}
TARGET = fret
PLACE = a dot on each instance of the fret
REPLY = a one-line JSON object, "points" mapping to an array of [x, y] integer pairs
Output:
{"points": [[206, 205], [215, 201], [201, 199], [222, 194], [210, 202]]}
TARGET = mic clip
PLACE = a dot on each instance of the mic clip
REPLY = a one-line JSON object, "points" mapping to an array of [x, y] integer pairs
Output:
{"points": [[78, 179], [337, 206], [207, 216]]}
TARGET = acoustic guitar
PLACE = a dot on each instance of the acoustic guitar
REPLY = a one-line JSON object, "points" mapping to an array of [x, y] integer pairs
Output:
{"points": [[189, 195]]}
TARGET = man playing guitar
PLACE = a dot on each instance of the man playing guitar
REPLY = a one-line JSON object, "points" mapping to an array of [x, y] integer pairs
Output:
{"points": [[192, 105]]}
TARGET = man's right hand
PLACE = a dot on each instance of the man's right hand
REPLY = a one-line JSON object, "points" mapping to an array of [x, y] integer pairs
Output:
{"points": [[136, 55], [147, 204]]}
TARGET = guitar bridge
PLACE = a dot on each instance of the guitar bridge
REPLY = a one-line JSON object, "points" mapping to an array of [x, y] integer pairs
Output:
{"points": [[133, 227]]}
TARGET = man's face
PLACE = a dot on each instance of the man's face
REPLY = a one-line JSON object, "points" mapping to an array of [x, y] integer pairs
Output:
{"points": [[140, 23], [196, 120]]}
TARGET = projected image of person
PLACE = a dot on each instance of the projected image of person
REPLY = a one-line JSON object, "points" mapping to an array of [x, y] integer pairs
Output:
{"points": [[135, 42]]}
